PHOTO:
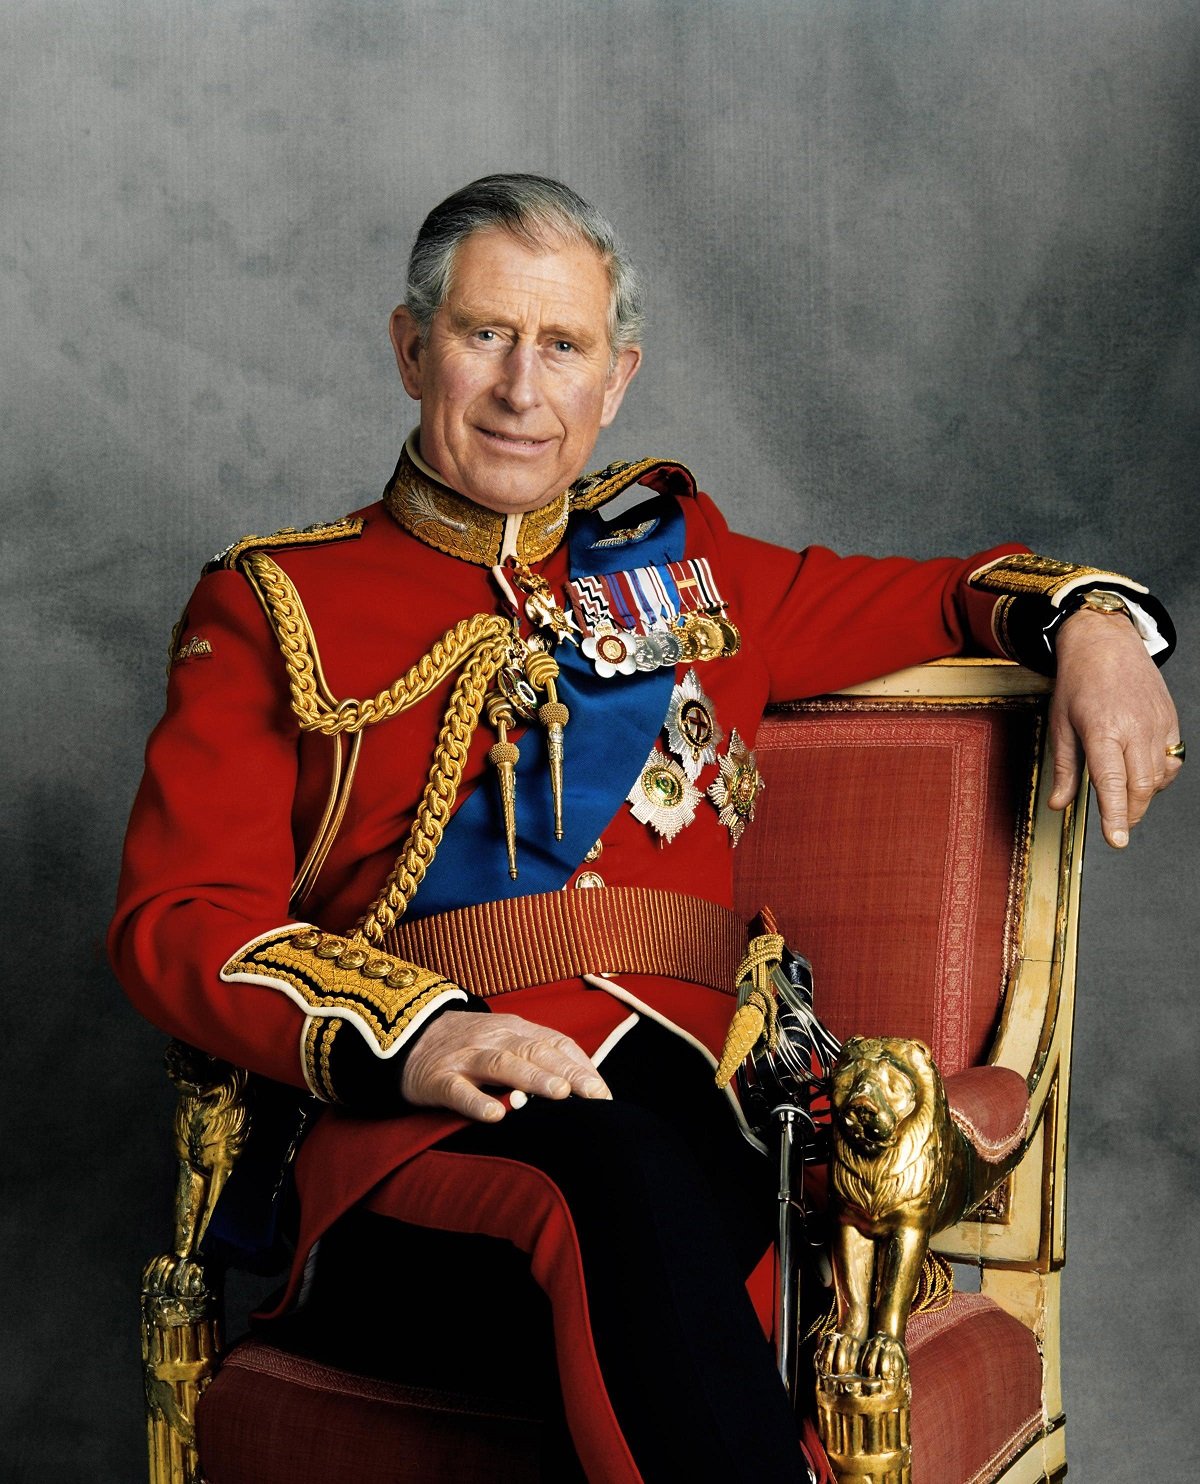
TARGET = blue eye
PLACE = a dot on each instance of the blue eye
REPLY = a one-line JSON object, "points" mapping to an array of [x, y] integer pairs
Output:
{"points": [[563, 345]]}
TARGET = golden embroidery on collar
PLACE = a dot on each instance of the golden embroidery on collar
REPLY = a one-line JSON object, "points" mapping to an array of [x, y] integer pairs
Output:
{"points": [[449, 522]]}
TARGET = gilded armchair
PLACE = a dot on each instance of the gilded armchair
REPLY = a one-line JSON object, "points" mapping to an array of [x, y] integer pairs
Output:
{"points": [[904, 843]]}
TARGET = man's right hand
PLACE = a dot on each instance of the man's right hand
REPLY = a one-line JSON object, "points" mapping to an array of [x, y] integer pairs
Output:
{"points": [[460, 1054]]}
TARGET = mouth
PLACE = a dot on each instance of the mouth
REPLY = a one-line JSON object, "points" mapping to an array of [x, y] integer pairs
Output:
{"points": [[512, 442]]}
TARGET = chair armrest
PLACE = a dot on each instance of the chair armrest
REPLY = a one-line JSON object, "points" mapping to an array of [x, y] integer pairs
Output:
{"points": [[990, 1108]]}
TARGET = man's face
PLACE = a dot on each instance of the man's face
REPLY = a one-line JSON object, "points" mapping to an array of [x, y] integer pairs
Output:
{"points": [[516, 379]]}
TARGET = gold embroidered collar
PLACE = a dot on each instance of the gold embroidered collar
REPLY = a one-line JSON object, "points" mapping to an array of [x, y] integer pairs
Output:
{"points": [[447, 521]]}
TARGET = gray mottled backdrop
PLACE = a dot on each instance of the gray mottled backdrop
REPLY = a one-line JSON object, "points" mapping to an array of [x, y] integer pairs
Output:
{"points": [[923, 275]]}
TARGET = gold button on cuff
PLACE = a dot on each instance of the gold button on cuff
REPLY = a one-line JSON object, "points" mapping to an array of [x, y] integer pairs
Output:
{"points": [[588, 878]]}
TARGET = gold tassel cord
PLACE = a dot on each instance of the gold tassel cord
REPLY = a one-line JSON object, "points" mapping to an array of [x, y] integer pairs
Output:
{"points": [[935, 1287], [763, 954], [542, 670], [445, 775], [504, 757], [757, 1013], [749, 1020], [314, 711]]}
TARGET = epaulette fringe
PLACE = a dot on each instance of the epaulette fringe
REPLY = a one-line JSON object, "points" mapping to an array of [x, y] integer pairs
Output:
{"points": [[593, 490], [349, 527]]}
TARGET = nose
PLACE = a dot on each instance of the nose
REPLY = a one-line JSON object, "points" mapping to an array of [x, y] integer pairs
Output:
{"points": [[519, 384]]}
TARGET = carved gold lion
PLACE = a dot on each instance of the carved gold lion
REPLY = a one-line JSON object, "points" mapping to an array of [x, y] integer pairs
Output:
{"points": [[899, 1171]]}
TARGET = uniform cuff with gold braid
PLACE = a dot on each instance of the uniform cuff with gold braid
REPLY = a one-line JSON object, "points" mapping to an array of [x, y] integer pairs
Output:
{"points": [[342, 1068], [1036, 595], [341, 982]]}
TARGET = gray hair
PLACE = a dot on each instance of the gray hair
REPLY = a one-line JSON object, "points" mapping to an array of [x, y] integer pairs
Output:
{"points": [[530, 207]]}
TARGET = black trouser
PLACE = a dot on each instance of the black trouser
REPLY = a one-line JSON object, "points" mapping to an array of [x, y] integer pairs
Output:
{"points": [[671, 1210]]}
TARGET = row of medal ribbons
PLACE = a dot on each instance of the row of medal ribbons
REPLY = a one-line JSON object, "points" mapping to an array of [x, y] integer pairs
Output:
{"points": [[651, 618]]}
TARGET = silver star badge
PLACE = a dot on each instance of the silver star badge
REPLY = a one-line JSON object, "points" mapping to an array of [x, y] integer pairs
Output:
{"points": [[663, 796], [692, 731]]}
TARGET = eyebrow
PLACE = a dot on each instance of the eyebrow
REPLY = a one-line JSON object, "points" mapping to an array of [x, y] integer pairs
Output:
{"points": [[466, 317]]}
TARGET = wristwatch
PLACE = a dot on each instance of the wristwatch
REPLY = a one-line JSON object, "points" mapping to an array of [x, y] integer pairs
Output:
{"points": [[1104, 600]]}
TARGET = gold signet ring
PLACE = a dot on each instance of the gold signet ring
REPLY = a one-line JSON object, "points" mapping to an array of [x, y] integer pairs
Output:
{"points": [[1177, 749]]}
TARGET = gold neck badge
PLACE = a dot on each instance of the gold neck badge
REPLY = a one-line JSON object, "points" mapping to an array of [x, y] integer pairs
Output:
{"points": [[447, 521]]}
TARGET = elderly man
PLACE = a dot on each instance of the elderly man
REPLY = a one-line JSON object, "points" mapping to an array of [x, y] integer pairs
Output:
{"points": [[391, 742]]}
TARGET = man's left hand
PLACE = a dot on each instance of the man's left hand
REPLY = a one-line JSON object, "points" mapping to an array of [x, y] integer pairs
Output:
{"points": [[1111, 709]]}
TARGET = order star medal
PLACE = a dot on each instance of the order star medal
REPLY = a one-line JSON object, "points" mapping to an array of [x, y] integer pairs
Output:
{"points": [[736, 791], [663, 796], [692, 730]]}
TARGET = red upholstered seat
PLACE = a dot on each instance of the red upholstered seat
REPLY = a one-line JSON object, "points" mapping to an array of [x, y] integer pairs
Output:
{"points": [[977, 1391], [274, 1418]]}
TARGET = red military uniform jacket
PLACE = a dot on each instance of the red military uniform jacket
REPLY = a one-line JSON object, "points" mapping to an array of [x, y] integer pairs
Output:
{"points": [[234, 790]]}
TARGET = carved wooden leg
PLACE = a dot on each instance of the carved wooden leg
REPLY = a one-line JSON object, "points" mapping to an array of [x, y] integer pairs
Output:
{"points": [[181, 1325], [864, 1427], [181, 1344]]}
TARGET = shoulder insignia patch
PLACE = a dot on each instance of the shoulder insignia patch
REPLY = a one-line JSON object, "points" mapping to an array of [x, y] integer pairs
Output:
{"points": [[592, 490], [194, 648], [345, 529]]}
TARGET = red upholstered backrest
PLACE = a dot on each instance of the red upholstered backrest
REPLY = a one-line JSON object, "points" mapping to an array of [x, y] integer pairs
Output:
{"points": [[890, 844]]}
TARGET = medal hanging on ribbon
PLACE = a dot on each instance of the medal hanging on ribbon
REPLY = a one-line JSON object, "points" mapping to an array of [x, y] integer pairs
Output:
{"points": [[650, 618]]}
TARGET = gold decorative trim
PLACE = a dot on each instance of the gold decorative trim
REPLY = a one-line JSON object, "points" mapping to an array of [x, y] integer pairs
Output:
{"points": [[330, 975], [315, 708], [320, 1032], [477, 647], [440, 517], [195, 648], [348, 527], [593, 490], [1025, 574]]}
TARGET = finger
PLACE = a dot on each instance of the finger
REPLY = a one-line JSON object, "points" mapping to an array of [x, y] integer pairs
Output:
{"points": [[1112, 798], [500, 1067], [1068, 772], [563, 1056], [460, 1095], [1143, 778]]}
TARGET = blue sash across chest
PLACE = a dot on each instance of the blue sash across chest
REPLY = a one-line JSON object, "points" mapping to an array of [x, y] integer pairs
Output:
{"points": [[613, 726]]}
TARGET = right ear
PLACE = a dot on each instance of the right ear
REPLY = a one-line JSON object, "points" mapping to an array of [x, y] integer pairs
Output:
{"points": [[406, 342]]}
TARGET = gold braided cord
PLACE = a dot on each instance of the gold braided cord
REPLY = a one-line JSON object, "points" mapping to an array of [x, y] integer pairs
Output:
{"points": [[314, 709], [433, 813], [763, 952]]}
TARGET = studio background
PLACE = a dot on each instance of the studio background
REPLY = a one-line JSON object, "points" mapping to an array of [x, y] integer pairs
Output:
{"points": [[922, 276]]}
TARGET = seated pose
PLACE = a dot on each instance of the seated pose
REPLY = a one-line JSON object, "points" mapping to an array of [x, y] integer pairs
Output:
{"points": [[439, 821]]}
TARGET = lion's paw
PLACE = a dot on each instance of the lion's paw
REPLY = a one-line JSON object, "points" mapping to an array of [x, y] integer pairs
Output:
{"points": [[884, 1358], [838, 1354]]}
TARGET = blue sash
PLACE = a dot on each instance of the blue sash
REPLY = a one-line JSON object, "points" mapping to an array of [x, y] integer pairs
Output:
{"points": [[612, 728]]}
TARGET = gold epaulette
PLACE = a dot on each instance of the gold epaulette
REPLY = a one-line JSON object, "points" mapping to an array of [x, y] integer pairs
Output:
{"points": [[592, 490], [1025, 574], [315, 535]]}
